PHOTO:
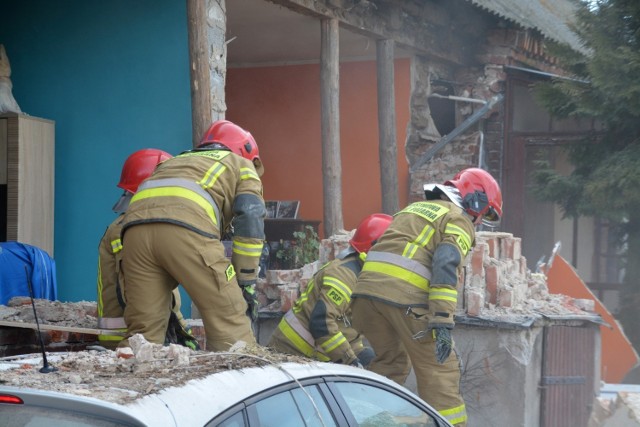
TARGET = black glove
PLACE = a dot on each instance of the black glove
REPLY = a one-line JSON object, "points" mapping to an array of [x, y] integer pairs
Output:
{"points": [[356, 363], [444, 343], [366, 356], [250, 296], [176, 334]]}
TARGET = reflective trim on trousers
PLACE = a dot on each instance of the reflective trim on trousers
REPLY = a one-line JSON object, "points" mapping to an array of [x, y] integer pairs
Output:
{"points": [[111, 323]]}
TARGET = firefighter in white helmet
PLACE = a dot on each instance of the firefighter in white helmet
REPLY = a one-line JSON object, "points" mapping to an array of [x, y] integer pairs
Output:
{"points": [[319, 324], [406, 294]]}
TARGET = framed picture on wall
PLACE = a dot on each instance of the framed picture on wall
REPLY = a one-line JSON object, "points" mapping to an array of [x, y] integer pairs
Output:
{"points": [[272, 208], [288, 209]]}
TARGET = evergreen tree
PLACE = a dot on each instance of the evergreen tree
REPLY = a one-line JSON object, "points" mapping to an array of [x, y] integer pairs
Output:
{"points": [[606, 179]]}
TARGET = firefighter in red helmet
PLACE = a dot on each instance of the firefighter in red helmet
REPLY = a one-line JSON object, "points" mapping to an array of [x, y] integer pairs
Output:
{"points": [[172, 230], [137, 167], [406, 294], [319, 325]]}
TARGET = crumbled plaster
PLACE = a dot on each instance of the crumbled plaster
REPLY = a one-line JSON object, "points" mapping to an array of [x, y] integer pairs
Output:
{"points": [[105, 375]]}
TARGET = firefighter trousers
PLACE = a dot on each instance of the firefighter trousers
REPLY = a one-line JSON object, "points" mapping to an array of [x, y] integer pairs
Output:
{"points": [[158, 256], [390, 329]]}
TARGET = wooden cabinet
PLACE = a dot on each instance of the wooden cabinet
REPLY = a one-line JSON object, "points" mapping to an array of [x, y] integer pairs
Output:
{"points": [[27, 151]]}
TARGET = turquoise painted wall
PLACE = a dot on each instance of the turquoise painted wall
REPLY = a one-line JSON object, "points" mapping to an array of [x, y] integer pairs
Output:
{"points": [[114, 76]]}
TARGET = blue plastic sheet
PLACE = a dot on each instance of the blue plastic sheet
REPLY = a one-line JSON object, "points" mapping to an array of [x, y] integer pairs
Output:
{"points": [[40, 268]]}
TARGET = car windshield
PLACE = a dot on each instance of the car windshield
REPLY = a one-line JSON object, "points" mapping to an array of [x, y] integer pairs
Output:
{"points": [[375, 407]]}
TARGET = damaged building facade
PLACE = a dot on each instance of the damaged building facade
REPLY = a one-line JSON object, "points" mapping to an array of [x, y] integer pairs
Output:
{"points": [[422, 89]]}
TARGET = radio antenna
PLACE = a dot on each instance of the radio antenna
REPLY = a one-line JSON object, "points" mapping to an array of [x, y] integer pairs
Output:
{"points": [[46, 368]]}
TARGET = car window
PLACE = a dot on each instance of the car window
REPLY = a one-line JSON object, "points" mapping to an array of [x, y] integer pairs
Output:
{"points": [[374, 407], [33, 416], [235, 420], [298, 407]]}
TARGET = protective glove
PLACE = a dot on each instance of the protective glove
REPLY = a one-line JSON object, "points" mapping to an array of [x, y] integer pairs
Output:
{"points": [[444, 343], [177, 334], [356, 362], [250, 296]]}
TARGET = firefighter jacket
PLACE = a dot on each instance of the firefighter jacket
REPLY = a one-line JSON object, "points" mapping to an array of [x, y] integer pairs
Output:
{"points": [[417, 261], [110, 303], [110, 300], [209, 192], [318, 325]]}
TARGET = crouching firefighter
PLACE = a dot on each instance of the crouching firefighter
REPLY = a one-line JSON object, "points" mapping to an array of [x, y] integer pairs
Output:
{"points": [[406, 295], [318, 325], [171, 235], [136, 169]]}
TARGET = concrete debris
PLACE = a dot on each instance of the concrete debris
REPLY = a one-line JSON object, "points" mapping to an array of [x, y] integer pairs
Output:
{"points": [[105, 375], [72, 314]]}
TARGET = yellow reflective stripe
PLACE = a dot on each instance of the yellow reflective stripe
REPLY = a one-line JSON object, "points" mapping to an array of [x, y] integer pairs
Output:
{"points": [[248, 173], [297, 307], [463, 240], [100, 287], [443, 294], [397, 272], [300, 343], [455, 415], [177, 192], [116, 246], [425, 236], [248, 249], [334, 342], [338, 285], [212, 175], [111, 337], [409, 250]]}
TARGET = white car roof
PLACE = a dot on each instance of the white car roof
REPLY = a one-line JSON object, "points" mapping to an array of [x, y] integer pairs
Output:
{"points": [[221, 390], [191, 402]]}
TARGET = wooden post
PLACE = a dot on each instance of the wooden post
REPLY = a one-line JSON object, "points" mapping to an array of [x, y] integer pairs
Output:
{"points": [[199, 68], [387, 126], [330, 126]]}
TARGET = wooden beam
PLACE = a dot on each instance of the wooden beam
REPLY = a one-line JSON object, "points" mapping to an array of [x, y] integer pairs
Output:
{"points": [[330, 126], [199, 69], [430, 34], [47, 327], [387, 126]]}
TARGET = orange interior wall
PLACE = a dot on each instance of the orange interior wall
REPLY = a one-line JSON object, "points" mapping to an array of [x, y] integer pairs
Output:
{"points": [[280, 106], [618, 355]]}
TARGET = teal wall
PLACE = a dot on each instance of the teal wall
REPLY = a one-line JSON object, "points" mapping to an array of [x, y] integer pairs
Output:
{"points": [[114, 76]]}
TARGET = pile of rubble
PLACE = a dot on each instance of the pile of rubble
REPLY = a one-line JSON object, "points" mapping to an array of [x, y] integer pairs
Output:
{"points": [[496, 283], [71, 314], [124, 376]]}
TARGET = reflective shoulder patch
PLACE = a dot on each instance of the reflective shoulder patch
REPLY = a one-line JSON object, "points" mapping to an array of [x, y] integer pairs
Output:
{"points": [[427, 210], [230, 272], [335, 296], [212, 154]]}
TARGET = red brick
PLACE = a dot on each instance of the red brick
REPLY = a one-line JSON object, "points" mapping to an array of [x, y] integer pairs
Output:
{"points": [[477, 258], [474, 302], [510, 247], [494, 247], [288, 295], [505, 297], [491, 281]]}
